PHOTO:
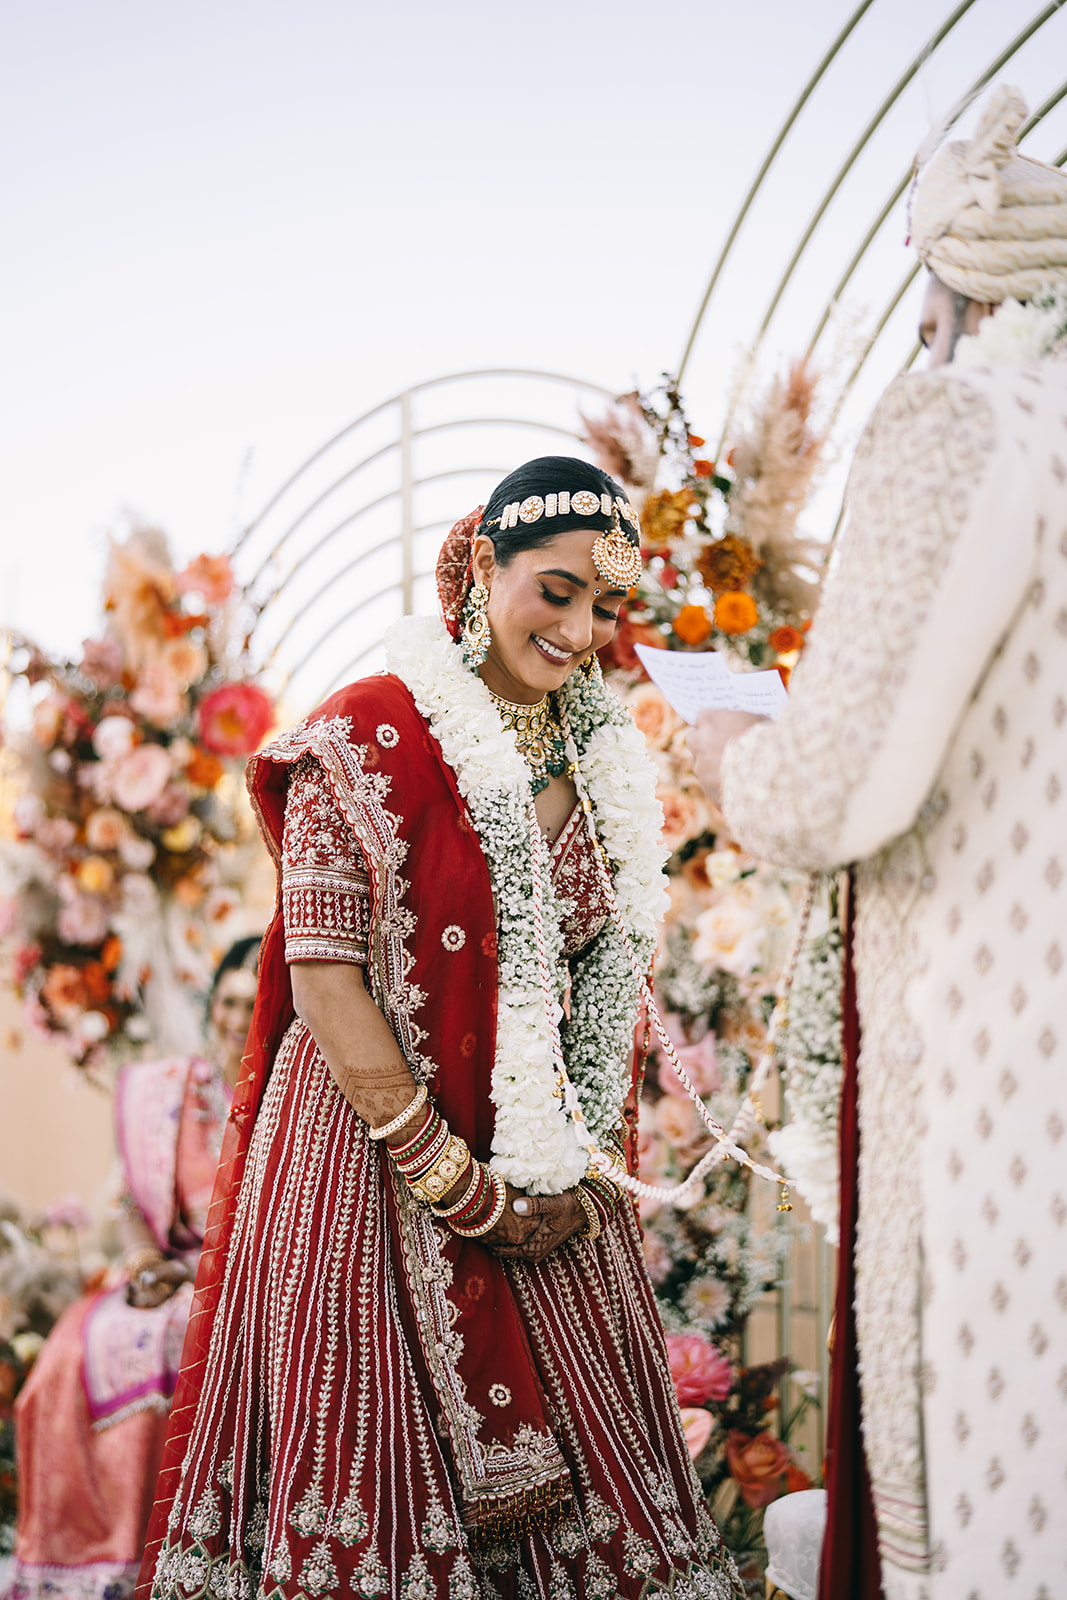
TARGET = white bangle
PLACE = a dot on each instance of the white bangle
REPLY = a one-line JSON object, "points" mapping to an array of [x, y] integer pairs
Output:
{"points": [[405, 1116]]}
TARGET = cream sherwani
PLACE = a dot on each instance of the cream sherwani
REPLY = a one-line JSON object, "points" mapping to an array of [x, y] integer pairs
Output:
{"points": [[926, 740]]}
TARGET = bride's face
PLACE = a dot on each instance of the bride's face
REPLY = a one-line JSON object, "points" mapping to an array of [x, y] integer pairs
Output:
{"points": [[549, 610]]}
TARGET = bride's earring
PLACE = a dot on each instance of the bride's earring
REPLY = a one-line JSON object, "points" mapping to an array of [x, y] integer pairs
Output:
{"points": [[476, 635]]}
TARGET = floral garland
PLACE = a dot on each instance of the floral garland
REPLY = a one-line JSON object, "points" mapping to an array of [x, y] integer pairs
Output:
{"points": [[535, 1145], [1016, 333]]}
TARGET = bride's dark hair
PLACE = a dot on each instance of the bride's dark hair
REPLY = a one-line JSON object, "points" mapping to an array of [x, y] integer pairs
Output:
{"points": [[544, 476]]}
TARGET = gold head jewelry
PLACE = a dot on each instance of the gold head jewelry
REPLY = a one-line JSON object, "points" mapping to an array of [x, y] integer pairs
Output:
{"points": [[617, 559], [584, 503]]}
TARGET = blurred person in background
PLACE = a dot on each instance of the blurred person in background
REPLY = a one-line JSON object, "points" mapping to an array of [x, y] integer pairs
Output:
{"points": [[925, 740], [92, 1417]]}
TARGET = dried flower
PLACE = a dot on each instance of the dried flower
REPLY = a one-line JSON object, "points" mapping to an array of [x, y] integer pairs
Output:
{"points": [[623, 443], [664, 516], [735, 612], [757, 1464], [699, 1371], [727, 563], [140, 588], [692, 625], [235, 719], [101, 662], [211, 577]]}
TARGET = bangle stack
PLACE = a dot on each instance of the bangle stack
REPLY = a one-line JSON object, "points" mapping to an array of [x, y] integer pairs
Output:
{"points": [[432, 1159], [599, 1199], [487, 1213]]}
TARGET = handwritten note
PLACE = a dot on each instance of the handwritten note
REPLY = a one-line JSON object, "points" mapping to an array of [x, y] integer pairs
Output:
{"points": [[701, 681]]}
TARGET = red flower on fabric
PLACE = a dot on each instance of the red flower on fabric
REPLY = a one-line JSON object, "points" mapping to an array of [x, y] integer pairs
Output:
{"points": [[235, 719]]}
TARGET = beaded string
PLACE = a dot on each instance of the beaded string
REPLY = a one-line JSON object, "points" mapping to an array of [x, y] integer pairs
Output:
{"points": [[726, 1144]]}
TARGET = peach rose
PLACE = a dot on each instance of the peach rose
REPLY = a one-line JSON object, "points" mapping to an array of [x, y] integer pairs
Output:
{"points": [[729, 936], [700, 1066], [654, 716], [158, 696], [684, 816], [757, 1464], [140, 777], [105, 828], [676, 1120], [698, 1426], [113, 737]]}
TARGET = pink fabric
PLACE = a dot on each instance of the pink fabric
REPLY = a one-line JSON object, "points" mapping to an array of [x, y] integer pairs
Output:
{"points": [[92, 1416]]}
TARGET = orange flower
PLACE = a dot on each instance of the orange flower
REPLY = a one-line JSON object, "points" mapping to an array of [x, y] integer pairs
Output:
{"points": [[695, 441], [621, 650], [735, 612], [204, 770], [796, 1479], [693, 625], [111, 954], [703, 469], [177, 623], [785, 639], [97, 983], [63, 991], [757, 1464]]}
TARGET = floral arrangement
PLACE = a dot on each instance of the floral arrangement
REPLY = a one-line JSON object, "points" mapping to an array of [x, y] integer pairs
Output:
{"points": [[726, 569], [121, 885]]}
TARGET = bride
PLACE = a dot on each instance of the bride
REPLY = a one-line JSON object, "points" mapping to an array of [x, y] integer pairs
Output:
{"points": [[425, 1357]]}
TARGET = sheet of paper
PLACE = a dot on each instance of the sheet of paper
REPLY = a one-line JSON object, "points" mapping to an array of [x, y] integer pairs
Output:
{"points": [[700, 680]]}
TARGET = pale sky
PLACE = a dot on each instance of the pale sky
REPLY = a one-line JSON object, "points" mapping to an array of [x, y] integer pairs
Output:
{"points": [[231, 227]]}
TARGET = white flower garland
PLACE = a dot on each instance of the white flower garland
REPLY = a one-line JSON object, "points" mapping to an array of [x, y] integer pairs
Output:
{"points": [[1016, 333], [535, 1144]]}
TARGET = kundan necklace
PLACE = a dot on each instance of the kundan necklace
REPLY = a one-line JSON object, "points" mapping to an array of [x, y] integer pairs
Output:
{"points": [[539, 738]]}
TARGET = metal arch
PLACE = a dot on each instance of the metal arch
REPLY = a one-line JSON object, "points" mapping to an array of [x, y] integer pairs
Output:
{"points": [[768, 161], [380, 454], [396, 399]]}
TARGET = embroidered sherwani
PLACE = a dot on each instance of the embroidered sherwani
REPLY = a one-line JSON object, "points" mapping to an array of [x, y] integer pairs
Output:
{"points": [[370, 1405], [926, 740]]}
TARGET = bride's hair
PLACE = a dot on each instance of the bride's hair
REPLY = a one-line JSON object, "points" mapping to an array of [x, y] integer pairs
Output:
{"points": [[544, 476]]}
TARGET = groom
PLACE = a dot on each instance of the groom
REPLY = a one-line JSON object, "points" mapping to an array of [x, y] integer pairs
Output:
{"points": [[925, 741]]}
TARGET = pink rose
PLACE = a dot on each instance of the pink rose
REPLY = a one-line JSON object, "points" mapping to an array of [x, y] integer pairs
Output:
{"points": [[83, 920], [699, 1063], [140, 777], [698, 1426], [171, 806], [700, 1372], [677, 1120], [158, 696], [235, 719], [657, 1258]]}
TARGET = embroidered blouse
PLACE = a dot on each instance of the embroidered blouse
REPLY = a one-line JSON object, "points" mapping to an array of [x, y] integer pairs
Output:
{"points": [[325, 889], [326, 893]]}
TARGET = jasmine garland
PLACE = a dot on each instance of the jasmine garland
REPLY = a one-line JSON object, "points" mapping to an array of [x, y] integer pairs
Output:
{"points": [[535, 1145]]}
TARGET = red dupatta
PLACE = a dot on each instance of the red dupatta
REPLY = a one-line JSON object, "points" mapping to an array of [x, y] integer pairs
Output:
{"points": [[433, 972]]}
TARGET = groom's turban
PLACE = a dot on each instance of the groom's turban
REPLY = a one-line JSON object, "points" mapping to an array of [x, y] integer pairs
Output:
{"points": [[989, 222]]}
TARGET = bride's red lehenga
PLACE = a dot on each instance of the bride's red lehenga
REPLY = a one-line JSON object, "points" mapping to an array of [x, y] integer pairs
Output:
{"points": [[370, 1405]]}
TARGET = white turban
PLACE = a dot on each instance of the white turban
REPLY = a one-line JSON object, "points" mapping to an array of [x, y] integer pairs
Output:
{"points": [[989, 222]]}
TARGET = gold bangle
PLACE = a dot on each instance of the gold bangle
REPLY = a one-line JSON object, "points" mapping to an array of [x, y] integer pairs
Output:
{"points": [[592, 1229], [451, 1211], [405, 1116], [442, 1175], [501, 1190]]}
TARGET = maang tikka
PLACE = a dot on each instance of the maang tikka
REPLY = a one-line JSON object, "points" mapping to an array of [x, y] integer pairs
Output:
{"points": [[476, 635]]}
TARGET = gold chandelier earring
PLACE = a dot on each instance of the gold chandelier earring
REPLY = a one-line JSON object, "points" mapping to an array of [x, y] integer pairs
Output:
{"points": [[476, 634]]}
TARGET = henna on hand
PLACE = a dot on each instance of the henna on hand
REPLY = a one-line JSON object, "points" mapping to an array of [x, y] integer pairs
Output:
{"points": [[168, 1277], [555, 1217]]}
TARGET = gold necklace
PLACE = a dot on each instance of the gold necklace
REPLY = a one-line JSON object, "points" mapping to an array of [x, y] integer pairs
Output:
{"points": [[538, 737]]}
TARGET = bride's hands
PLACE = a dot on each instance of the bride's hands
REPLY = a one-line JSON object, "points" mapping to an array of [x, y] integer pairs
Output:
{"points": [[533, 1225]]}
